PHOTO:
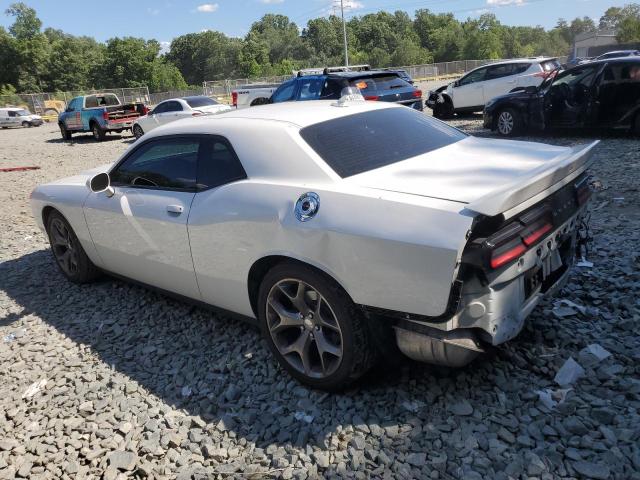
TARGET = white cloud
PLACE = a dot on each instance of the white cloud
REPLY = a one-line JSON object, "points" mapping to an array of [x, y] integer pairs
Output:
{"points": [[505, 2], [353, 5], [164, 47], [207, 7], [271, 2], [153, 11]]}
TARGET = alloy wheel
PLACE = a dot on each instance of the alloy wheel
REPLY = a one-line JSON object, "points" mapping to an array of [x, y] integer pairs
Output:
{"points": [[304, 328], [64, 248], [505, 123], [137, 131]]}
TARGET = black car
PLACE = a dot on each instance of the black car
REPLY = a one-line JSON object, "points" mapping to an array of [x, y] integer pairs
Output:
{"points": [[374, 85], [603, 94]]}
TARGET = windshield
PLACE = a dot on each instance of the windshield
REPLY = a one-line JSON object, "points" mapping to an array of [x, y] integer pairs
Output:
{"points": [[365, 141], [195, 102], [23, 113]]}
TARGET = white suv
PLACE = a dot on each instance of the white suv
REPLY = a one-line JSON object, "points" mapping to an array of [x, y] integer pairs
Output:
{"points": [[477, 87]]}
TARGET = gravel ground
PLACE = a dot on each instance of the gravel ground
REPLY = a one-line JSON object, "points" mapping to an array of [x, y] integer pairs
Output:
{"points": [[113, 381]]}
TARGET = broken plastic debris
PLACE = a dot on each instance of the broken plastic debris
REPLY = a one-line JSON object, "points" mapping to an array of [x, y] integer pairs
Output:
{"points": [[186, 391], [303, 417], [584, 263], [551, 398], [569, 373], [566, 308], [9, 338], [34, 388], [413, 406], [597, 351]]}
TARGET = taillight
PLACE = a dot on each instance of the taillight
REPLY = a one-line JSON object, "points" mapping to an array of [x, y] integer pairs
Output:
{"points": [[105, 115], [417, 94], [510, 242], [541, 74], [372, 97], [234, 99], [145, 109]]}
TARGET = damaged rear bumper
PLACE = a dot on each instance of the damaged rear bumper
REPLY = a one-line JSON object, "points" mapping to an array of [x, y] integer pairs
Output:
{"points": [[493, 311]]}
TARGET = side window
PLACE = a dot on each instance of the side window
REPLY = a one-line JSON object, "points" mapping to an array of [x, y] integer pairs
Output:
{"points": [[12, 113], [161, 108], [285, 92], [218, 164], [473, 77], [499, 71], [310, 88], [75, 104], [173, 107], [168, 163], [519, 68], [331, 89]]}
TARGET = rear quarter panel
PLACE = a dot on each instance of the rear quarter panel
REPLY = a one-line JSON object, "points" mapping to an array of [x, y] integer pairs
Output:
{"points": [[385, 253]]}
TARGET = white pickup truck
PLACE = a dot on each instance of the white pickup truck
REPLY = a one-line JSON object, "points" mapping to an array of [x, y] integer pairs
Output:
{"points": [[251, 95]]}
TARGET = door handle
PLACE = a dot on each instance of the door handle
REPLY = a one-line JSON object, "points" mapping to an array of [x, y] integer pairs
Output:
{"points": [[178, 209]]}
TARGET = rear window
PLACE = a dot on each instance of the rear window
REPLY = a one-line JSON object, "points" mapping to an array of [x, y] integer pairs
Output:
{"points": [[368, 85], [365, 141], [195, 102], [108, 100]]}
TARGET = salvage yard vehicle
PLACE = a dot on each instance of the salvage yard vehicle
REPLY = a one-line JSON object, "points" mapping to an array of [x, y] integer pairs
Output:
{"points": [[471, 92], [604, 94], [338, 227], [374, 85], [177, 109], [252, 95], [98, 114], [18, 117]]}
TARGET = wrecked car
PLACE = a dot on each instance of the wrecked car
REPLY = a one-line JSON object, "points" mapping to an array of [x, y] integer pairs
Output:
{"points": [[603, 94], [337, 227]]}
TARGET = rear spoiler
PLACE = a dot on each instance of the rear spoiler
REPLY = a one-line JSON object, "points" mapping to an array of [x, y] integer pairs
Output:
{"points": [[537, 184]]}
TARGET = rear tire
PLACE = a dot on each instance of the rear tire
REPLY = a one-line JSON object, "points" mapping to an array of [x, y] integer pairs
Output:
{"points": [[66, 134], [137, 131], [98, 133], [508, 122], [313, 328], [26, 124], [67, 251]]}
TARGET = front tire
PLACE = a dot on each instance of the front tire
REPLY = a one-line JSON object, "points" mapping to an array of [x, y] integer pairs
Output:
{"points": [[443, 111], [508, 122], [98, 133], [313, 328], [137, 131], [67, 251], [26, 124], [66, 134]]}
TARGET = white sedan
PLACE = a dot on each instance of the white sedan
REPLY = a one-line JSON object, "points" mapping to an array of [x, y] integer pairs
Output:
{"points": [[177, 109], [336, 227]]}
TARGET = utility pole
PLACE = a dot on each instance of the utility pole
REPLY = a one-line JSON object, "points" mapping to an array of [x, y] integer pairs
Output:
{"points": [[344, 34]]}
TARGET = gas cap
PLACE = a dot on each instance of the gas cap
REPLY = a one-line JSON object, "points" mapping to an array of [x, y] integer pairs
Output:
{"points": [[307, 206]]}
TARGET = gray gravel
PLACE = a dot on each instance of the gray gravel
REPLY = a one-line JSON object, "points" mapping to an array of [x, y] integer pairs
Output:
{"points": [[113, 381]]}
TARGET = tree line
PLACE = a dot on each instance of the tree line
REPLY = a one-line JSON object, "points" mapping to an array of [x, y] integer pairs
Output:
{"points": [[36, 60]]}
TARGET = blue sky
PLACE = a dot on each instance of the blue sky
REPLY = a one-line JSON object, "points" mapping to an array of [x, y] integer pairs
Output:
{"points": [[166, 19]]}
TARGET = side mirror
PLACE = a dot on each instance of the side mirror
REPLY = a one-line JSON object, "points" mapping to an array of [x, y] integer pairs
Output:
{"points": [[456, 83], [101, 183]]}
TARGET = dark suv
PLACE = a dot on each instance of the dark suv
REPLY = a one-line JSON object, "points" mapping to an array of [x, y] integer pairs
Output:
{"points": [[602, 94], [376, 85]]}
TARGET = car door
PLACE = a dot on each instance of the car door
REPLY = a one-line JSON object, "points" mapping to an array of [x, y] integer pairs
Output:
{"points": [[73, 114], [172, 112], [285, 92], [569, 102], [310, 88], [140, 231], [216, 223], [468, 92]]}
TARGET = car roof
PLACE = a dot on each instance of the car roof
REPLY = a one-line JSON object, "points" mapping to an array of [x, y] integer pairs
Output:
{"points": [[618, 51], [299, 114], [15, 109], [632, 59], [517, 60]]}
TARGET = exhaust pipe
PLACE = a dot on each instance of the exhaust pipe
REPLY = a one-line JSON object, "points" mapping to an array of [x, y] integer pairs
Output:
{"points": [[450, 349]]}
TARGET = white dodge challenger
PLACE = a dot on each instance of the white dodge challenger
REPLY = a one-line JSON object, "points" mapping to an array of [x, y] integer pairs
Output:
{"points": [[339, 228]]}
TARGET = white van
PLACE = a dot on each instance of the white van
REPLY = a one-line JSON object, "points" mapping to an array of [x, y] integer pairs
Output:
{"points": [[18, 117]]}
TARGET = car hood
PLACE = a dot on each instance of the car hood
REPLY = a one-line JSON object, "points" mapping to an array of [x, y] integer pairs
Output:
{"points": [[467, 170]]}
